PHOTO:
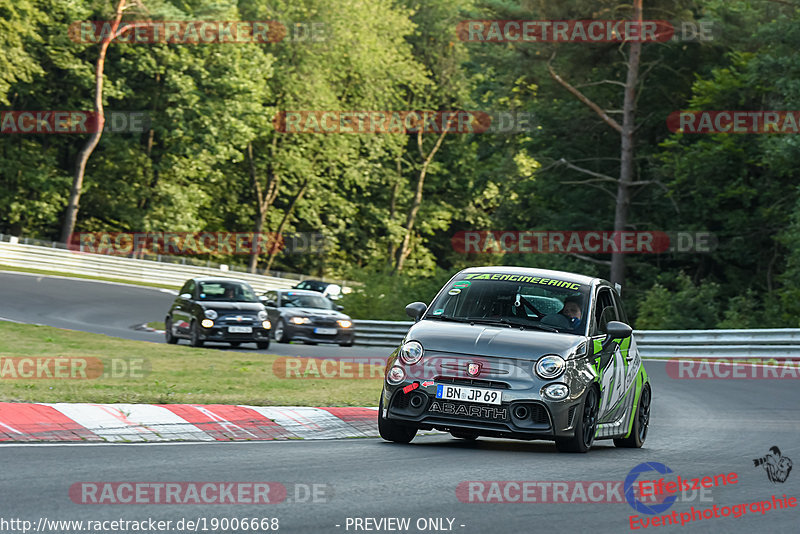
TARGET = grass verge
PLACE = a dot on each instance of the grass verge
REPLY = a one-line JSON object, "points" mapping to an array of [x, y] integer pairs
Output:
{"points": [[160, 373], [85, 277]]}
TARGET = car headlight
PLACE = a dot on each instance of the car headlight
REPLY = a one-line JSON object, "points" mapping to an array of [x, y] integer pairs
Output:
{"points": [[411, 352], [266, 325], [556, 391], [207, 323], [395, 375], [299, 320], [344, 323], [549, 367], [262, 315], [211, 314]]}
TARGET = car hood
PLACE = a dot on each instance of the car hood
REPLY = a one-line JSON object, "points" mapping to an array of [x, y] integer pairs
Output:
{"points": [[319, 312], [232, 306], [494, 341]]}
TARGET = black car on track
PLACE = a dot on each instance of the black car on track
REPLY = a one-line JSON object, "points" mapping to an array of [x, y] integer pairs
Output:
{"points": [[217, 309], [307, 316]]}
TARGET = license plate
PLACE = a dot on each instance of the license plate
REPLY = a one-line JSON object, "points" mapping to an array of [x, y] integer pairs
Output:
{"points": [[240, 329], [325, 331], [467, 394]]}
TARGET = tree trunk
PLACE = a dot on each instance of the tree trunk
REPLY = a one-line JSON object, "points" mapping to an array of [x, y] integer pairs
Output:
{"points": [[73, 204], [393, 207], [627, 150], [279, 232], [264, 200], [405, 246], [626, 131]]}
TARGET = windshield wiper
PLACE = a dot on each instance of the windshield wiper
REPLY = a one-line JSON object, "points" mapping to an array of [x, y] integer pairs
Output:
{"points": [[513, 324], [483, 320], [447, 318]]}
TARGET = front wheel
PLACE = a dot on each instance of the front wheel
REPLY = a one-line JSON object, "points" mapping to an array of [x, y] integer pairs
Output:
{"points": [[194, 339], [280, 332], [168, 335], [586, 427], [641, 421], [391, 431]]}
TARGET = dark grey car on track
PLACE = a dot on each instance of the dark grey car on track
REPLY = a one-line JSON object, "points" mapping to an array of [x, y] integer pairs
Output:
{"points": [[519, 353], [307, 316]]}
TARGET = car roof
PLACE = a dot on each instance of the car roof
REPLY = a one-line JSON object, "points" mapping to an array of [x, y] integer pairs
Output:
{"points": [[530, 271], [300, 292], [218, 279]]}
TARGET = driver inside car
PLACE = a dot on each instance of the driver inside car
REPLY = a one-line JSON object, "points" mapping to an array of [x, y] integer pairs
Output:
{"points": [[572, 311]]}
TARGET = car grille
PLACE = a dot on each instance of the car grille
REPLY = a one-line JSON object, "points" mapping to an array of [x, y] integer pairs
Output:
{"points": [[472, 382], [539, 414], [323, 321], [231, 320]]}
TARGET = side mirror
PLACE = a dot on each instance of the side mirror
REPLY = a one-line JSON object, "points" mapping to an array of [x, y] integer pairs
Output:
{"points": [[416, 310], [186, 296], [618, 330], [339, 307]]}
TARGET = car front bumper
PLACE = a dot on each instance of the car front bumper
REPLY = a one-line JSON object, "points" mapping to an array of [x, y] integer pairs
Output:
{"points": [[524, 412], [221, 334], [310, 333]]}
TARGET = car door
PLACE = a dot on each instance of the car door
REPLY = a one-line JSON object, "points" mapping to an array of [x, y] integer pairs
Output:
{"points": [[182, 313], [608, 359]]}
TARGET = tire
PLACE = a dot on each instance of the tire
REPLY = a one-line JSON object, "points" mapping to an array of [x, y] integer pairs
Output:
{"points": [[391, 431], [641, 422], [261, 345], [280, 332], [195, 340], [586, 427], [464, 435], [350, 344], [235, 343], [168, 335]]}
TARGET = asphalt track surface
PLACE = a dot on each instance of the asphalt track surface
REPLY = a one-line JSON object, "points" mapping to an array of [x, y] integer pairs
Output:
{"points": [[699, 428]]}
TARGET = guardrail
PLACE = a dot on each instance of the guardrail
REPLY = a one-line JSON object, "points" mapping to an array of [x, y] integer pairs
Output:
{"points": [[761, 343], [71, 262]]}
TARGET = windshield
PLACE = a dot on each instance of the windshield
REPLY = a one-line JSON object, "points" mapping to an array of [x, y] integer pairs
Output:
{"points": [[227, 291], [516, 300], [302, 300]]}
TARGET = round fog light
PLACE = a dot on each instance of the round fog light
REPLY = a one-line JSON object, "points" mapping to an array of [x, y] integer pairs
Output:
{"points": [[395, 375], [556, 391], [266, 325], [207, 323]]}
